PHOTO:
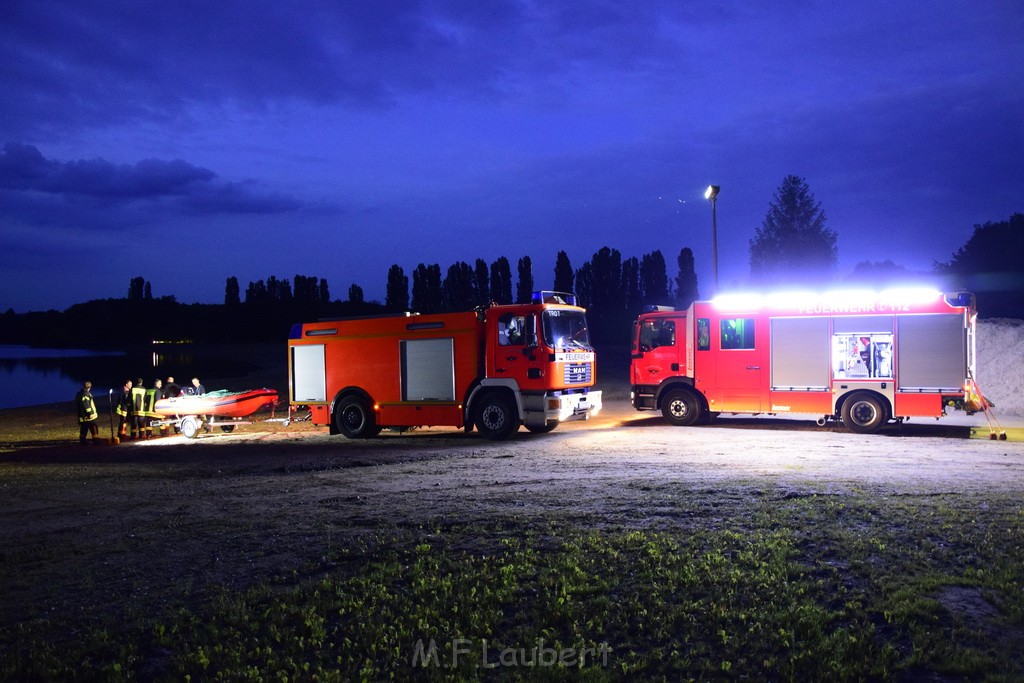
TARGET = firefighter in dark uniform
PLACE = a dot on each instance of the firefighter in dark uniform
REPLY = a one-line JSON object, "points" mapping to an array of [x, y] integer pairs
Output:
{"points": [[87, 414], [124, 409], [138, 413]]}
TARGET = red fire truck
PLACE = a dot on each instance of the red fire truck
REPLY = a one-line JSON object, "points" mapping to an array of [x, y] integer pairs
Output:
{"points": [[495, 368], [863, 357]]}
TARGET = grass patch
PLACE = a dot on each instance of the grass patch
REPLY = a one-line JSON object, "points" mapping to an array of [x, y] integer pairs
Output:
{"points": [[807, 586], [1012, 433]]}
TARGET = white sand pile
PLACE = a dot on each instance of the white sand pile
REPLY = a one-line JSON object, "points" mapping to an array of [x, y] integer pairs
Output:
{"points": [[1000, 364]]}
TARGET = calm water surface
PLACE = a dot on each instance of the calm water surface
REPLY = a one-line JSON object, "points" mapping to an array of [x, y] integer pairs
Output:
{"points": [[33, 376]]}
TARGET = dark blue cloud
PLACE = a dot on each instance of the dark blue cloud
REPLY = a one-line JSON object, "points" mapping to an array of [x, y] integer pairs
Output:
{"points": [[70, 64], [24, 169], [497, 127]]}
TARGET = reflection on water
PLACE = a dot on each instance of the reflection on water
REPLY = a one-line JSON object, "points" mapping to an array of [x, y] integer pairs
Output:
{"points": [[31, 376]]}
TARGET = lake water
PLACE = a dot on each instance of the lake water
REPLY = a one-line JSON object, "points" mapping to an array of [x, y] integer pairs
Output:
{"points": [[34, 376]]}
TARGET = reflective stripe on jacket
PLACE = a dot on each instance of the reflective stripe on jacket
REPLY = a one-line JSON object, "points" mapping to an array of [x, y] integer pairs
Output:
{"points": [[86, 407], [124, 405], [138, 401], [149, 401]]}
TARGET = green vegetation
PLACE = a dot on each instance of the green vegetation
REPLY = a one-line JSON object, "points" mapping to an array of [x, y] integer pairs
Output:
{"points": [[803, 586]]}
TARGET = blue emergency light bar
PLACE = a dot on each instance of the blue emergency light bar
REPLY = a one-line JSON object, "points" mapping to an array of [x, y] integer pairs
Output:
{"points": [[548, 297]]}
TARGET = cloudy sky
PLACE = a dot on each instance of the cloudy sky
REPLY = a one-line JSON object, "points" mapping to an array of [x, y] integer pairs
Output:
{"points": [[188, 142]]}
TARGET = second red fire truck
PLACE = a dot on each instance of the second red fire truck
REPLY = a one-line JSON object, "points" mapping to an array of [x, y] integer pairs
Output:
{"points": [[495, 368], [860, 357]]}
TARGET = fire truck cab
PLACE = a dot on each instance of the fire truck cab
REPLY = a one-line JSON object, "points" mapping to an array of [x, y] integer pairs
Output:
{"points": [[493, 368], [861, 357]]}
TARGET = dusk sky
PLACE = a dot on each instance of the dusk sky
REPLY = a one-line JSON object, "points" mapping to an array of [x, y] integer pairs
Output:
{"points": [[187, 142]]}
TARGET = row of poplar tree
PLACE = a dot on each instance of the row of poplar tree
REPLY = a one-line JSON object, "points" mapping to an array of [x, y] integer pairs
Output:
{"points": [[612, 288]]}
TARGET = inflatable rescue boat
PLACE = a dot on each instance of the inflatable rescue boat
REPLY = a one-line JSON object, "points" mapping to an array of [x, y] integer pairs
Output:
{"points": [[217, 403]]}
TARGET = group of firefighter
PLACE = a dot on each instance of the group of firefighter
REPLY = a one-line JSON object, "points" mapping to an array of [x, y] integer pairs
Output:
{"points": [[135, 408]]}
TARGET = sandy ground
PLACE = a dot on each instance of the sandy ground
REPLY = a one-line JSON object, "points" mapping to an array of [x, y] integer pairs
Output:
{"points": [[144, 525]]}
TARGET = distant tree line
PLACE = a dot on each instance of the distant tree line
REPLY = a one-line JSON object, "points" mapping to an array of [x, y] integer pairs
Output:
{"points": [[613, 292], [793, 245], [269, 310], [612, 289]]}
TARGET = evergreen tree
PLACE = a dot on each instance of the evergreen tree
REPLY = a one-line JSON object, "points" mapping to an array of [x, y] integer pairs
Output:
{"points": [[563, 273], [501, 281], [482, 283], [793, 244], [585, 287], [231, 292], [457, 291], [256, 293], [137, 289], [426, 288], [654, 279], [524, 287], [324, 296], [990, 266], [686, 282], [355, 294], [147, 292], [305, 289], [631, 287], [598, 285], [397, 297]]}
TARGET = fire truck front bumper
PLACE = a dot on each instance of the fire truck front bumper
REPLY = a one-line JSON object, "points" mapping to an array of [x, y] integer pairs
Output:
{"points": [[574, 406], [545, 409]]}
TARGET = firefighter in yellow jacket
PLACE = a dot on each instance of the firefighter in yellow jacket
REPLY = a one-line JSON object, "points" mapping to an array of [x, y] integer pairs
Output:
{"points": [[153, 394], [87, 414], [138, 420]]}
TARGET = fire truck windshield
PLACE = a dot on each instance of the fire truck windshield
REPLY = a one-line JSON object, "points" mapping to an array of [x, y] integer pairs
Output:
{"points": [[566, 330]]}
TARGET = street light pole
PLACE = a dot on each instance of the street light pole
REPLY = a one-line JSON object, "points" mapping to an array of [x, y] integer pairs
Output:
{"points": [[712, 194]]}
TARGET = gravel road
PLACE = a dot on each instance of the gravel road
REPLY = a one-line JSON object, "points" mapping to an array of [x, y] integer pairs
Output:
{"points": [[152, 523]]}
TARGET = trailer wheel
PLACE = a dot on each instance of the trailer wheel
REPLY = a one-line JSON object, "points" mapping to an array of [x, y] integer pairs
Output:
{"points": [[189, 427], [354, 419], [544, 428], [863, 413], [681, 408], [495, 418]]}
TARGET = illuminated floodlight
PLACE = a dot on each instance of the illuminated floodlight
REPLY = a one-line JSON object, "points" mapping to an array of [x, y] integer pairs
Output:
{"points": [[738, 302], [711, 192], [848, 297], [788, 299], [910, 295], [839, 299]]}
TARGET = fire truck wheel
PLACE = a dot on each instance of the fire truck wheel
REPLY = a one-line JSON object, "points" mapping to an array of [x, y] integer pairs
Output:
{"points": [[543, 429], [681, 408], [354, 418], [863, 413], [495, 419], [227, 429]]}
